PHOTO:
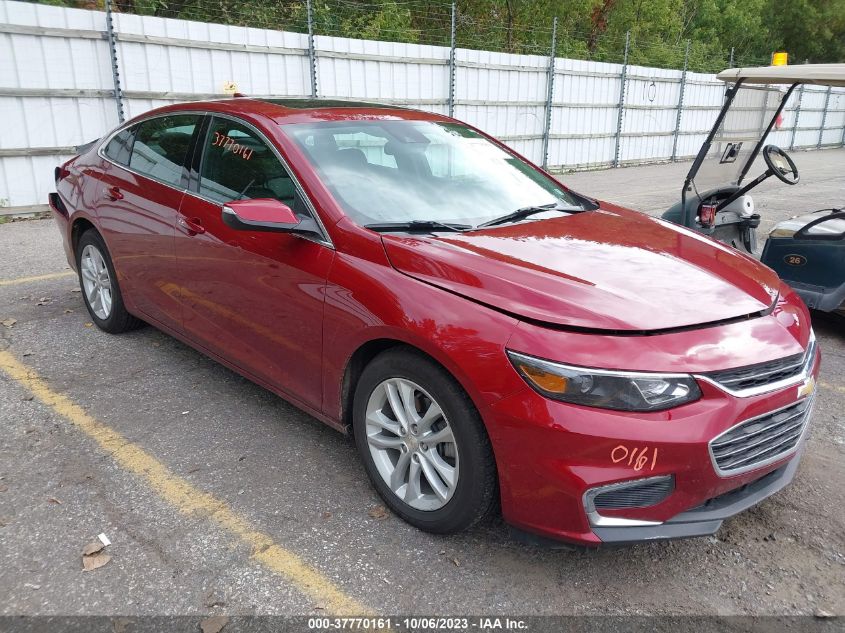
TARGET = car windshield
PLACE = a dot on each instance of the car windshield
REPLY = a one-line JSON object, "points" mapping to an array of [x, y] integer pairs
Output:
{"points": [[406, 171]]}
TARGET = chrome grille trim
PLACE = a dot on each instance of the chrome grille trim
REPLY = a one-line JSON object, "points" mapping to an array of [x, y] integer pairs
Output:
{"points": [[790, 364], [776, 439], [797, 371]]}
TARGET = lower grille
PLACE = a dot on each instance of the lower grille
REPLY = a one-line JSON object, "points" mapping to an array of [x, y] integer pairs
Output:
{"points": [[726, 497], [761, 440], [635, 495]]}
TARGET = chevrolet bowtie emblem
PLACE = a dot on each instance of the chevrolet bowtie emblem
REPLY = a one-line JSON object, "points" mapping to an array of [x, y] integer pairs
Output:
{"points": [[807, 388]]}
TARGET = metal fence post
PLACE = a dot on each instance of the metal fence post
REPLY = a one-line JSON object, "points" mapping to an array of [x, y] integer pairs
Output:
{"points": [[452, 70], [797, 116], [731, 61], [623, 80], [550, 90], [680, 104], [115, 69], [824, 116], [842, 143], [312, 53]]}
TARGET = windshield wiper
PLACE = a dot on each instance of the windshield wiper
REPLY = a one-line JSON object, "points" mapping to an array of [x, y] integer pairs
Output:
{"points": [[524, 212], [417, 225]]}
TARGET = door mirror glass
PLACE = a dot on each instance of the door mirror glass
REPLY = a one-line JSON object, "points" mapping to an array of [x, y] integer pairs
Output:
{"points": [[260, 214]]}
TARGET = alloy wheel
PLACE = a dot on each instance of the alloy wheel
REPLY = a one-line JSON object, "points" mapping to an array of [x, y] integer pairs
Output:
{"points": [[412, 444], [96, 281]]}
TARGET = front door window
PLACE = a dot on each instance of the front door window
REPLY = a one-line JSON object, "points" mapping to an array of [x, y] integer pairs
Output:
{"points": [[239, 165]]}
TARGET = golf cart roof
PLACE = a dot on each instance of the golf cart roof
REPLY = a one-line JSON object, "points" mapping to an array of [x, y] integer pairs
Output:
{"points": [[820, 74]]}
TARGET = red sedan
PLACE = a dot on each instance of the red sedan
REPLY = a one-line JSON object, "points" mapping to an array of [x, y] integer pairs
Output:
{"points": [[489, 337]]}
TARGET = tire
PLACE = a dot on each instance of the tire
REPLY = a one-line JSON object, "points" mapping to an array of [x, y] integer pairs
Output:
{"points": [[115, 319], [473, 495]]}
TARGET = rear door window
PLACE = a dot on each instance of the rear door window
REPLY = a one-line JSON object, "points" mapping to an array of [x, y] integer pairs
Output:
{"points": [[162, 145]]}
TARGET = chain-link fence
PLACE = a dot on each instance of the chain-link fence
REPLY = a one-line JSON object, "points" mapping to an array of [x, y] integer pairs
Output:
{"points": [[563, 97]]}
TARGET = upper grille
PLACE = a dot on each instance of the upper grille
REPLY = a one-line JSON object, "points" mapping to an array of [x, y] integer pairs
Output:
{"points": [[764, 374], [760, 440], [636, 495]]}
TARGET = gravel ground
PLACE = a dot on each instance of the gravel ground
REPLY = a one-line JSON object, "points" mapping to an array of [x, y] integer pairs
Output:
{"points": [[301, 483]]}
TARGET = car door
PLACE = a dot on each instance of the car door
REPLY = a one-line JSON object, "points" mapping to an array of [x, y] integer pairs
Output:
{"points": [[142, 191], [253, 298]]}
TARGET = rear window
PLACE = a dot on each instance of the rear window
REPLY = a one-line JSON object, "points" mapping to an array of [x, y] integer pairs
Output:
{"points": [[119, 148]]}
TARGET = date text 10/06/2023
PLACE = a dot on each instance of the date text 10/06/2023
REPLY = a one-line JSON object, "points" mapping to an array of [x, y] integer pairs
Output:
{"points": [[422, 623]]}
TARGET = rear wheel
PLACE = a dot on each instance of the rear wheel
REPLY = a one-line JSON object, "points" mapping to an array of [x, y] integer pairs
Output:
{"points": [[423, 443], [99, 285]]}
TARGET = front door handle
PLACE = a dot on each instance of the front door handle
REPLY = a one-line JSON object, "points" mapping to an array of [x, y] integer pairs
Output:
{"points": [[114, 193], [191, 226]]}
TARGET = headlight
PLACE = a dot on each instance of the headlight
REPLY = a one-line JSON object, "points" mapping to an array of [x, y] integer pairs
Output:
{"points": [[624, 391]]}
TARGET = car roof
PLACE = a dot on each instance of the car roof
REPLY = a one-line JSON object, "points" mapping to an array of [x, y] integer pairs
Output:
{"points": [[820, 74], [297, 110]]}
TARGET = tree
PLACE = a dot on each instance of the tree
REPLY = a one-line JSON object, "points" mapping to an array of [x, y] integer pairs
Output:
{"points": [[812, 30]]}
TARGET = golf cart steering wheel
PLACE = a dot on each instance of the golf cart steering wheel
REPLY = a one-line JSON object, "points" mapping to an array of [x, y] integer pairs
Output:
{"points": [[780, 164]]}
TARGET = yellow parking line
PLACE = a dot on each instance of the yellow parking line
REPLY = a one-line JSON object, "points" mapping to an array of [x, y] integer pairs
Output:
{"points": [[833, 387], [185, 497], [26, 280]]}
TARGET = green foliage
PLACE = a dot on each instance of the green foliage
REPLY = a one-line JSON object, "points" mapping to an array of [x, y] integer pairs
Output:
{"points": [[811, 30]]}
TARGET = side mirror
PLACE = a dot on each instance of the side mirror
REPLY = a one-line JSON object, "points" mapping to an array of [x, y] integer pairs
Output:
{"points": [[260, 214]]}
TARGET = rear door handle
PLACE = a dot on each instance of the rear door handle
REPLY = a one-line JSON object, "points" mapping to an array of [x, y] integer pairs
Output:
{"points": [[191, 226], [114, 193]]}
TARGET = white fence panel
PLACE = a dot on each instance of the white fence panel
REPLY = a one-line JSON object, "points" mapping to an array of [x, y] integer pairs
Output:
{"points": [[835, 120], [504, 95], [584, 113], [810, 116], [164, 60], [403, 74], [43, 55], [57, 90], [703, 98], [651, 112]]}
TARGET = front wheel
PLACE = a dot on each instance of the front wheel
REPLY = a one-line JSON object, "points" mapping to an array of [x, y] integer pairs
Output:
{"points": [[423, 443]]}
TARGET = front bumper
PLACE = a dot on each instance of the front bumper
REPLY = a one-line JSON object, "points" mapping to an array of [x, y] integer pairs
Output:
{"points": [[574, 450], [708, 517]]}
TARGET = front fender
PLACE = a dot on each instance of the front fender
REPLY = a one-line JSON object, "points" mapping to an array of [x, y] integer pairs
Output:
{"points": [[367, 301]]}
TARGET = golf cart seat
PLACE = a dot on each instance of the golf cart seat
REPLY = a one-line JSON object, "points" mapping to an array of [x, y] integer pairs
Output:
{"points": [[735, 224], [808, 252], [675, 213]]}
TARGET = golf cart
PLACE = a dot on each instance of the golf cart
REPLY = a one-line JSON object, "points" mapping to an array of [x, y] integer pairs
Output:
{"points": [[808, 250]]}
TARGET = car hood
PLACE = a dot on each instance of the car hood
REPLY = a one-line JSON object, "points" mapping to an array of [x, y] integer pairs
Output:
{"points": [[609, 269]]}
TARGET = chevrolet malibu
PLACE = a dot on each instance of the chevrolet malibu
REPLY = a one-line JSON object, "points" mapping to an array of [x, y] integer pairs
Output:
{"points": [[492, 340]]}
